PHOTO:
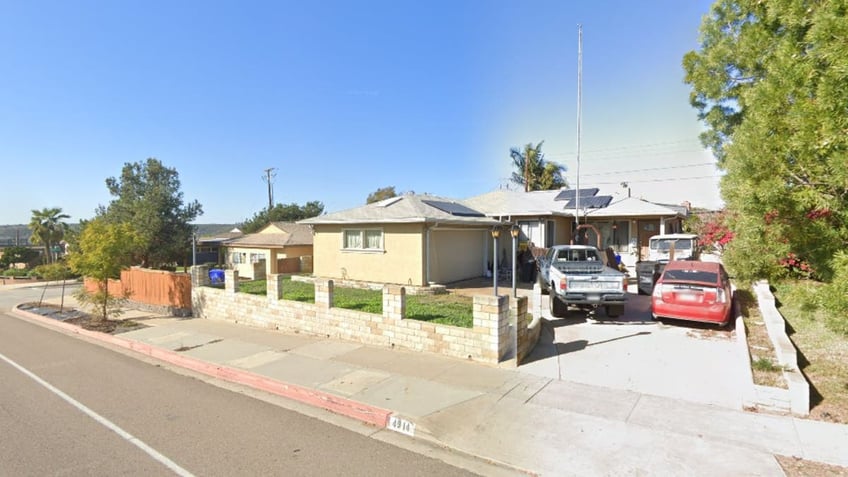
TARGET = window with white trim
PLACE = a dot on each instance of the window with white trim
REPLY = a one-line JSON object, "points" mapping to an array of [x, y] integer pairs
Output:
{"points": [[362, 239]]}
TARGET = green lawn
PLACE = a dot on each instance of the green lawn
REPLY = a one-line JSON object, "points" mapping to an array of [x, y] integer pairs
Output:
{"points": [[443, 309]]}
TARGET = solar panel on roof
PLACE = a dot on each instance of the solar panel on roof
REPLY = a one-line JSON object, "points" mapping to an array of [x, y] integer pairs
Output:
{"points": [[453, 208], [570, 194], [598, 202]]}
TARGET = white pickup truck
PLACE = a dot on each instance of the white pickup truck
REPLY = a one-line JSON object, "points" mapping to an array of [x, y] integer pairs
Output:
{"points": [[578, 275]]}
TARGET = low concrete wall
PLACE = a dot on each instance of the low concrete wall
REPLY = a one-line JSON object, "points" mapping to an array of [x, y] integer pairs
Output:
{"points": [[489, 341], [796, 399]]}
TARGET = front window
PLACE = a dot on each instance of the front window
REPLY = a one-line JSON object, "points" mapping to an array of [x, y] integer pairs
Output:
{"points": [[362, 239]]}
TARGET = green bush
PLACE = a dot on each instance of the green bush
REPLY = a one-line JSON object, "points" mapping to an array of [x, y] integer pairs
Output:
{"points": [[15, 272], [54, 271], [834, 295]]}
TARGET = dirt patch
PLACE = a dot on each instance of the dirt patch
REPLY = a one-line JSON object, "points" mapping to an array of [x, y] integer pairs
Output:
{"points": [[764, 365], [797, 467], [82, 319]]}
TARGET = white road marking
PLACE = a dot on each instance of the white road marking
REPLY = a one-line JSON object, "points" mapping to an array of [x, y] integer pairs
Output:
{"points": [[102, 420]]}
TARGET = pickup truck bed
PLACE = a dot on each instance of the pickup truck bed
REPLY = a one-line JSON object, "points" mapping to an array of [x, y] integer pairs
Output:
{"points": [[576, 275]]}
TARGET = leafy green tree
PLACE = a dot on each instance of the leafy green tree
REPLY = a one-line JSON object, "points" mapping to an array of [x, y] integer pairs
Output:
{"points": [[148, 197], [281, 213], [769, 83], [18, 254], [381, 194], [48, 229], [533, 171], [103, 250]]}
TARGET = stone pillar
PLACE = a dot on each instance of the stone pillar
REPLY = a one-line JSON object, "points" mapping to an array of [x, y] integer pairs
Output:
{"points": [[324, 293], [394, 302], [231, 281], [519, 309], [200, 276], [491, 318], [275, 287]]}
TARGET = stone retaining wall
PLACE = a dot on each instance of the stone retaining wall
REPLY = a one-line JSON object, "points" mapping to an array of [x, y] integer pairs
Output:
{"points": [[491, 340]]}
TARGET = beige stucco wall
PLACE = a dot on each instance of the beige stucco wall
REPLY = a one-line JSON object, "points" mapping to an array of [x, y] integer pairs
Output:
{"points": [[401, 261], [294, 251], [457, 254], [246, 270]]}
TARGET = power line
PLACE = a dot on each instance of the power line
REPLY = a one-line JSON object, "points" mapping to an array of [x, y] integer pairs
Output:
{"points": [[635, 146], [700, 164], [659, 180]]}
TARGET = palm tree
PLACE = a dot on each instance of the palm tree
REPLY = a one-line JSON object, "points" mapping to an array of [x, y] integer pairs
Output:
{"points": [[47, 228], [533, 171]]}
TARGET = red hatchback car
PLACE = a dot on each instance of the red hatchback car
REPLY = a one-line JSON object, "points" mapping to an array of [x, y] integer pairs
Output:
{"points": [[695, 291]]}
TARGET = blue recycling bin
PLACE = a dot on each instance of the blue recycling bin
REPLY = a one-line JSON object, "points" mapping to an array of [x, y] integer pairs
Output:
{"points": [[216, 275]]}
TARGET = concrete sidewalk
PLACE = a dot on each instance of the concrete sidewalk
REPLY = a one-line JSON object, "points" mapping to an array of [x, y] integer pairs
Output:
{"points": [[526, 423]]}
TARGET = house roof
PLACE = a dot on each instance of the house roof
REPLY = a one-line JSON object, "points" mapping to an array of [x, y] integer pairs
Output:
{"points": [[632, 207], [289, 234], [408, 208], [220, 237], [506, 203], [510, 203]]}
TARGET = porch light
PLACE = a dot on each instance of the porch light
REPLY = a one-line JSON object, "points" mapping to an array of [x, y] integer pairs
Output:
{"points": [[515, 232], [496, 233]]}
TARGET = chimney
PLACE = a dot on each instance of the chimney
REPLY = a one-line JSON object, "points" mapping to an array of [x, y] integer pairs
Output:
{"points": [[688, 205]]}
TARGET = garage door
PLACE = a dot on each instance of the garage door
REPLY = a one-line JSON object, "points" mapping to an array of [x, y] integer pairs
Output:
{"points": [[456, 255]]}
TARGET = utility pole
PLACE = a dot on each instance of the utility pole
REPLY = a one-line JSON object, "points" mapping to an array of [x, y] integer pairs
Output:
{"points": [[268, 177]]}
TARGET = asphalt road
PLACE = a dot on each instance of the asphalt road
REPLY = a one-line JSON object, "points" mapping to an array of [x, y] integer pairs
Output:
{"points": [[100, 412]]}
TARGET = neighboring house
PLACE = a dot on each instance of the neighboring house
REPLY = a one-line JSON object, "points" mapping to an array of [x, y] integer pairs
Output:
{"points": [[277, 248], [408, 240], [211, 249]]}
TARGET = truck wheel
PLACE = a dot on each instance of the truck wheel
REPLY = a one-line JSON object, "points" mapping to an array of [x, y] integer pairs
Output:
{"points": [[614, 311], [556, 305]]}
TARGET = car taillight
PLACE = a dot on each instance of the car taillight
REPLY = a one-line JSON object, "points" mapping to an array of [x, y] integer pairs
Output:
{"points": [[657, 293], [714, 295], [563, 284]]}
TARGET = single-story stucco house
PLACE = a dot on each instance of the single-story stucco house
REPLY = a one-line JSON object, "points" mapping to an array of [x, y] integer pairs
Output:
{"points": [[421, 239], [408, 239], [271, 250]]}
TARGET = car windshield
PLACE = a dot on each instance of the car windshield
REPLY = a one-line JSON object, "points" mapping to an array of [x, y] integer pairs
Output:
{"points": [[699, 276], [665, 244], [576, 255]]}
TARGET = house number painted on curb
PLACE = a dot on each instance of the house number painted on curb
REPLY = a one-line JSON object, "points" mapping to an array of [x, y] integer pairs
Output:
{"points": [[401, 425]]}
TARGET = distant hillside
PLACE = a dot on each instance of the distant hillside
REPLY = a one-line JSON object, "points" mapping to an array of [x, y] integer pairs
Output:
{"points": [[20, 233]]}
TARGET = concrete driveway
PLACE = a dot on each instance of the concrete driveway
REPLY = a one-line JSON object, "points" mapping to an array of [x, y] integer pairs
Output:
{"points": [[682, 360]]}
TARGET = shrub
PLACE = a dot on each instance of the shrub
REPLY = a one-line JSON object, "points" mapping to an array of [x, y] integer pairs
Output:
{"points": [[16, 272], [834, 295], [54, 271]]}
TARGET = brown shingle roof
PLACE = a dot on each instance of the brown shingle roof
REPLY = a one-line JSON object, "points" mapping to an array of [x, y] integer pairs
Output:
{"points": [[293, 234]]}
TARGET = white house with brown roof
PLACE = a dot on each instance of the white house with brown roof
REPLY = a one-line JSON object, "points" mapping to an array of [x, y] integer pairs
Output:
{"points": [[277, 248]]}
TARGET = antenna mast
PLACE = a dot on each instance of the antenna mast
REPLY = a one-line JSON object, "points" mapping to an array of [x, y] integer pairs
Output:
{"points": [[579, 117]]}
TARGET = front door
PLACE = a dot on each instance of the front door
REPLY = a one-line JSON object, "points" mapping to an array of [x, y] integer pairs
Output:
{"points": [[647, 229]]}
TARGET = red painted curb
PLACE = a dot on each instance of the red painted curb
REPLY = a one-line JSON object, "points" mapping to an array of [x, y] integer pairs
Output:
{"points": [[363, 412]]}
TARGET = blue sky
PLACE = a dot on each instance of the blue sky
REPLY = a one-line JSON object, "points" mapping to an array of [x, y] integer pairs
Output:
{"points": [[342, 98]]}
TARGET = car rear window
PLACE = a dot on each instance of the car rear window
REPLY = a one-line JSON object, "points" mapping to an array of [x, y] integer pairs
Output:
{"points": [[691, 276]]}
